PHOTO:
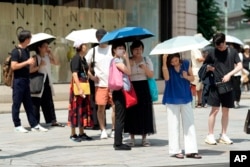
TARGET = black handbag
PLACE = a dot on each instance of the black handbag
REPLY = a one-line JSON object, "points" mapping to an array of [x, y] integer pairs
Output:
{"points": [[36, 82], [247, 123], [224, 87]]}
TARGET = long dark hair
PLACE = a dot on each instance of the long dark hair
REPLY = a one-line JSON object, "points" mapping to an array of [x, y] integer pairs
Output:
{"points": [[171, 56]]}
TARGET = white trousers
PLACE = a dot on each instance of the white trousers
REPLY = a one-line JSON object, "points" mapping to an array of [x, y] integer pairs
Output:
{"points": [[184, 113]]}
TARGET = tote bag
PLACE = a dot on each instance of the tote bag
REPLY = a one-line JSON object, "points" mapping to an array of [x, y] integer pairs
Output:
{"points": [[115, 81], [36, 82], [153, 89], [130, 97]]}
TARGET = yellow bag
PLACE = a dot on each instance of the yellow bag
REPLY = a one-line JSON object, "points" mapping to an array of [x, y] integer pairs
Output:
{"points": [[85, 87]]}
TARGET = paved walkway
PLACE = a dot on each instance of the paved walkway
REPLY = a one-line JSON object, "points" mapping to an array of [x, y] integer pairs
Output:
{"points": [[53, 148]]}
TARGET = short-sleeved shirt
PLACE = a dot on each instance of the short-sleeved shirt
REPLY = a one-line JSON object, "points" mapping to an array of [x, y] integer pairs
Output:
{"points": [[223, 61], [80, 66], [138, 74], [21, 57], [103, 57], [126, 82], [177, 89]]}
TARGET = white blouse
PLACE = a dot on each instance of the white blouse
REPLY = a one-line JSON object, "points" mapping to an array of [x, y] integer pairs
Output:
{"points": [[138, 74]]}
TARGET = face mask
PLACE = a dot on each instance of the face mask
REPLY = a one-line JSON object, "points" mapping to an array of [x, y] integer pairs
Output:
{"points": [[119, 52]]}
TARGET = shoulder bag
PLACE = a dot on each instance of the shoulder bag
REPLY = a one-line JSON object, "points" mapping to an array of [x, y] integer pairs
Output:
{"points": [[153, 88], [36, 81], [85, 86]]}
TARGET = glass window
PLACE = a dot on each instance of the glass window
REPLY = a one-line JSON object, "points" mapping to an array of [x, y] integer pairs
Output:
{"points": [[60, 17]]}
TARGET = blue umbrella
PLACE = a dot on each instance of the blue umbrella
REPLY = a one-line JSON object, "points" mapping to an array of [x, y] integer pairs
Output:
{"points": [[126, 34]]}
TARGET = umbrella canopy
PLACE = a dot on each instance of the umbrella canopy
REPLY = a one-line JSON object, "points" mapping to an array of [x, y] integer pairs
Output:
{"points": [[179, 44], [126, 34], [36, 38], [88, 35], [232, 39]]}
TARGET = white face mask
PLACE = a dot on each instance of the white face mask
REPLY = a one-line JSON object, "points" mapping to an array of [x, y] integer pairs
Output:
{"points": [[119, 52]]}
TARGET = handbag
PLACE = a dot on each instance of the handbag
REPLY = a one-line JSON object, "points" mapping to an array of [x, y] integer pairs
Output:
{"points": [[247, 123], [153, 89], [36, 82], [84, 86], [224, 87], [130, 97], [115, 81]]}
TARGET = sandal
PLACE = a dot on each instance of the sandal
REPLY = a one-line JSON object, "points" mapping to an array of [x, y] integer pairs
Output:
{"points": [[199, 105], [145, 143], [178, 156], [57, 124], [194, 155]]}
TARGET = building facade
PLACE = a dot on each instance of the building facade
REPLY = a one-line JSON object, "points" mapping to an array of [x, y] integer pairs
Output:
{"points": [[164, 18]]}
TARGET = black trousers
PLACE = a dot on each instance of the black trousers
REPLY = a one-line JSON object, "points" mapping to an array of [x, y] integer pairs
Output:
{"points": [[21, 94], [120, 112], [46, 103]]}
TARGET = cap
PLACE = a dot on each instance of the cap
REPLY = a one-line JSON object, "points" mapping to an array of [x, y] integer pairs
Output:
{"points": [[246, 47], [100, 32]]}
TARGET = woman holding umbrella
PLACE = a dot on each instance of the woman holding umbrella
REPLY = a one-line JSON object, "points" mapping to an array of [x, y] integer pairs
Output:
{"points": [[44, 59], [177, 98]]}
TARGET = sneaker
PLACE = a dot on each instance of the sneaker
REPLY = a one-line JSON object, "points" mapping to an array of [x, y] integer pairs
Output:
{"points": [[75, 138], [112, 133], [20, 129], [122, 147], [104, 134], [225, 139], [210, 140], [39, 128], [84, 136]]}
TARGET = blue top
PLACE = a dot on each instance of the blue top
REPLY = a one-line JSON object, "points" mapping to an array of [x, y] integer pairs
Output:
{"points": [[177, 89]]}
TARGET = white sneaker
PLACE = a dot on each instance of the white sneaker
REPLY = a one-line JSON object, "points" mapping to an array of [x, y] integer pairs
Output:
{"points": [[104, 134], [39, 128], [20, 129], [210, 140], [112, 133], [225, 139]]}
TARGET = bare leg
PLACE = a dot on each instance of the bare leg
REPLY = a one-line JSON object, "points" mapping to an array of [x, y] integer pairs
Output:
{"points": [[211, 119], [224, 119], [101, 116]]}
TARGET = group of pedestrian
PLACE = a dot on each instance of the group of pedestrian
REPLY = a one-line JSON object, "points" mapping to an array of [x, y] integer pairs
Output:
{"points": [[222, 61], [136, 120]]}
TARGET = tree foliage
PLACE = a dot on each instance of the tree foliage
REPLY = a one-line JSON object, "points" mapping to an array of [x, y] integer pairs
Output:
{"points": [[208, 17], [246, 8]]}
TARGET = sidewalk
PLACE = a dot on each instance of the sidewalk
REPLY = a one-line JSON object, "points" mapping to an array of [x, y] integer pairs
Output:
{"points": [[53, 148]]}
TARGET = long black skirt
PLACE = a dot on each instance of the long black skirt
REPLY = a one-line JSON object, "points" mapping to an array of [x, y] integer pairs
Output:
{"points": [[139, 119]]}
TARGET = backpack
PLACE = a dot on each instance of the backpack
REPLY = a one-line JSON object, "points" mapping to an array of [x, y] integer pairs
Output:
{"points": [[7, 71]]}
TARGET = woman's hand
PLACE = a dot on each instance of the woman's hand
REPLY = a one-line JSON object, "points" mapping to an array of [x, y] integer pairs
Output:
{"points": [[164, 61]]}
